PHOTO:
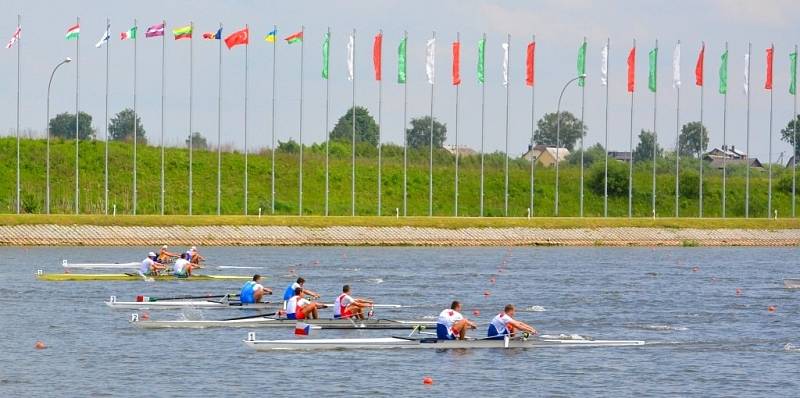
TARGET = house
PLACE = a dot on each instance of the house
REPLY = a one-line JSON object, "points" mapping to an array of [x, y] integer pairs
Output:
{"points": [[727, 152], [791, 161], [546, 155], [462, 150], [620, 155], [717, 162]]}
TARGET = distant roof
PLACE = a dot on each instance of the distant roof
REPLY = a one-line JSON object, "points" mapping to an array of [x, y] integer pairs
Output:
{"points": [[717, 162]]}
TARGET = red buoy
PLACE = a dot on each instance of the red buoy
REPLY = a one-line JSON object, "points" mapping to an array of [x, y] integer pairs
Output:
{"points": [[738, 291], [427, 380], [39, 345], [145, 316], [772, 308], [476, 312], [486, 293]]}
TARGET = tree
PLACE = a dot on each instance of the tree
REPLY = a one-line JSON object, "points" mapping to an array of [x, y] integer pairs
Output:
{"points": [[63, 126], [121, 127], [569, 133], [199, 142], [644, 150], [617, 179], [419, 134], [366, 128], [788, 135], [593, 154], [690, 139]]}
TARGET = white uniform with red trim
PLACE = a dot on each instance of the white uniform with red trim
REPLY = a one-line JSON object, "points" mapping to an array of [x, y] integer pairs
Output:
{"points": [[294, 307], [499, 325], [447, 319], [340, 306]]}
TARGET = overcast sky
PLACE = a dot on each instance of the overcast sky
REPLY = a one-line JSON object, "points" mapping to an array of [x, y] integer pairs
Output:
{"points": [[559, 26]]}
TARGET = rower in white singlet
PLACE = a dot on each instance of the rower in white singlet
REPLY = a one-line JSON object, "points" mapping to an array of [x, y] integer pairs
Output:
{"points": [[452, 325], [345, 306], [504, 324]]}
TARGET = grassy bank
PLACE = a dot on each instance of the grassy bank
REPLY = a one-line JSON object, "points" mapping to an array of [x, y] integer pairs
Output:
{"points": [[286, 203]]}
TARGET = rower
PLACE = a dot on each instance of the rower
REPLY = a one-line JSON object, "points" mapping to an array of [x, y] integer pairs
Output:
{"points": [[345, 306], [452, 325], [182, 267], [298, 307], [194, 256], [150, 267], [165, 256], [252, 291], [504, 324], [289, 292]]}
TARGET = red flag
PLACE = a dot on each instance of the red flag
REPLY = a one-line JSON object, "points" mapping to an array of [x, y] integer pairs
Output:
{"points": [[237, 38], [770, 54], [529, 63], [632, 70], [456, 63], [376, 55], [698, 70]]}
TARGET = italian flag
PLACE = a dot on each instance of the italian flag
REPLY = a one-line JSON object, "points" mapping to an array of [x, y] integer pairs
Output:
{"points": [[130, 34], [73, 32]]}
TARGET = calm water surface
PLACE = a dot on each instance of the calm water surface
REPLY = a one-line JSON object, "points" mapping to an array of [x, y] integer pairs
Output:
{"points": [[703, 338]]}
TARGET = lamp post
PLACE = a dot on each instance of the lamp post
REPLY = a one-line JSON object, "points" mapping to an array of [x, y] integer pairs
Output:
{"points": [[558, 132], [47, 123]]}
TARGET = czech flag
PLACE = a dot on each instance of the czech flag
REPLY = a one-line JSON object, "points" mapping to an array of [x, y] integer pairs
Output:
{"points": [[304, 329]]}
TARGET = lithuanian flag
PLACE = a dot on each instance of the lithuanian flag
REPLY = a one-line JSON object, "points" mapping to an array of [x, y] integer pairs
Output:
{"points": [[183, 32]]}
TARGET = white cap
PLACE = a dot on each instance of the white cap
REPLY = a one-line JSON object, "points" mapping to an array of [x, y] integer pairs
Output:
{"points": [[194, 248], [151, 254], [164, 247]]}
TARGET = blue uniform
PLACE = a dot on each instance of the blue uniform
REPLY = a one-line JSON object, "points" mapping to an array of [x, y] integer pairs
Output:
{"points": [[289, 292], [246, 295]]}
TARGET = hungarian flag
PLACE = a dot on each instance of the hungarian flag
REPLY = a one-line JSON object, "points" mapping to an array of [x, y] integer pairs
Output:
{"points": [[14, 37], [155, 30], [770, 54], [698, 69], [213, 36], [530, 62], [73, 32], [377, 45], [456, 63], [128, 35], [237, 38], [183, 32], [294, 38], [632, 70]]}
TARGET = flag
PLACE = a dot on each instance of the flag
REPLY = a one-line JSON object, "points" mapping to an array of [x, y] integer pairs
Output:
{"points": [[237, 38], [351, 44], [768, 81], [302, 329], [793, 73], [653, 71], [73, 32], [481, 60], [530, 62], [505, 64], [676, 66], [155, 31], [456, 63], [130, 34], [746, 73], [183, 32], [698, 69], [326, 45], [14, 37], [376, 55], [582, 64], [723, 73], [213, 36], [104, 39], [430, 60], [401, 62], [294, 38], [604, 66], [631, 69], [270, 37]]}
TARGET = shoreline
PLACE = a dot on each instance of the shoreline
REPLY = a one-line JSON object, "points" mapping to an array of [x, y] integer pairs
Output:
{"points": [[282, 235]]}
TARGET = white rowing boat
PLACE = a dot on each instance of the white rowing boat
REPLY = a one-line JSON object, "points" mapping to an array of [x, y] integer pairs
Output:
{"points": [[430, 342], [271, 322], [132, 265], [182, 304], [791, 283]]}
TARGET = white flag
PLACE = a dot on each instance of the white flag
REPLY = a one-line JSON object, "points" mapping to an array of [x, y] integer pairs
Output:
{"points": [[746, 73], [431, 61], [350, 48], [104, 39], [505, 64], [604, 66], [676, 66], [14, 37]]}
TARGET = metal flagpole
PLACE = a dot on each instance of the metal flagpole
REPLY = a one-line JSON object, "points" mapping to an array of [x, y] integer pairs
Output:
{"points": [[105, 126], [605, 172], [163, 100], [483, 124], [677, 142], [219, 127], [455, 203], [191, 98], [769, 183], [300, 172], [135, 132], [794, 145], [505, 192], [747, 129], [405, 131], [630, 160], [77, 116], [700, 131], [246, 191], [725, 139], [583, 133], [430, 160], [327, 121], [655, 133], [272, 171], [380, 108], [353, 146], [533, 129], [19, 23]]}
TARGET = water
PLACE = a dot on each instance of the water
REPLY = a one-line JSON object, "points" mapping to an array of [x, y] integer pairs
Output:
{"points": [[703, 337]]}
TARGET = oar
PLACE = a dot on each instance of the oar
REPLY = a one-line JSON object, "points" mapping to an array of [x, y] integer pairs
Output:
{"points": [[251, 317], [193, 297]]}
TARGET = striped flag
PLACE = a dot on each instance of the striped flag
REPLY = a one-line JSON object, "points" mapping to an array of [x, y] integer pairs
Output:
{"points": [[212, 35], [304, 329], [155, 30], [104, 39], [15, 37], [73, 32], [130, 34]]}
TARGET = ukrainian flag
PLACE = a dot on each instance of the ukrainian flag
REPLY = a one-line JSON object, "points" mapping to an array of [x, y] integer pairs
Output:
{"points": [[270, 37]]}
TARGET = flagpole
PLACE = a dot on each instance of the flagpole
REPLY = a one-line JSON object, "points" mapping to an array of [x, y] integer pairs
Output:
{"points": [[505, 188], [747, 179], [163, 101], [583, 133], [327, 123], [533, 125], [769, 183], [219, 126], [353, 146], [483, 121], [191, 98], [605, 171], [246, 47], [405, 123], [135, 132], [430, 165], [77, 115], [655, 131], [105, 125], [272, 121], [702, 127], [630, 149], [19, 23], [455, 203], [300, 172], [794, 141], [677, 139], [725, 138], [380, 109]]}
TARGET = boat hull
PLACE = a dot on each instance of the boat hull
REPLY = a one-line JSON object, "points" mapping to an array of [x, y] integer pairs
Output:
{"points": [[181, 304], [134, 278], [268, 322], [791, 283]]}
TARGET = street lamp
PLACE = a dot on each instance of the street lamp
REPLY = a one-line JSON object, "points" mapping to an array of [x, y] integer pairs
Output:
{"points": [[47, 197], [558, 131]]}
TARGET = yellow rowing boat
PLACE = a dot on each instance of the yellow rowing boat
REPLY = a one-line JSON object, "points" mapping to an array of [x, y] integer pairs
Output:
{"points": [[135, 277]]}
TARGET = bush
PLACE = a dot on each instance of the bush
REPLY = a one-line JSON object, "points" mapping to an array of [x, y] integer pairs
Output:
{"points": [[690, 184], [785, 183], [617, 178]]}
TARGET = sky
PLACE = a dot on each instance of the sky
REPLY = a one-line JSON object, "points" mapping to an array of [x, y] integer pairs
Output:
{"points": [[559, 27]]}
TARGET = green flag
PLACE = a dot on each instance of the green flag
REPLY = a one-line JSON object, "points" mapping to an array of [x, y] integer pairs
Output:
{"points": [[651, 77], [793, 72], [723, 73], [401, 61], [481, 63], [582, 64], [325, 48]]}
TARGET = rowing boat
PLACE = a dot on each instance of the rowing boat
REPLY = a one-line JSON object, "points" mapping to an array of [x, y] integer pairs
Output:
{"points": [[131, 277], [129, 266], [791, 283], [180, 304], [429, 342], [271, 322]]}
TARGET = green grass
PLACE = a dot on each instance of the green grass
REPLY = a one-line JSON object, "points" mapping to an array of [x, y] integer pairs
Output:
{"points": [[205, 177]]}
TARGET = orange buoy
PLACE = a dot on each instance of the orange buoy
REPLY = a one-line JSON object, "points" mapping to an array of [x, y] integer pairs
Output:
{"points": [[476, 312], [486, 293], [772, 308], [427, 380], [39, 345], [145, 316], [738, 291]]}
